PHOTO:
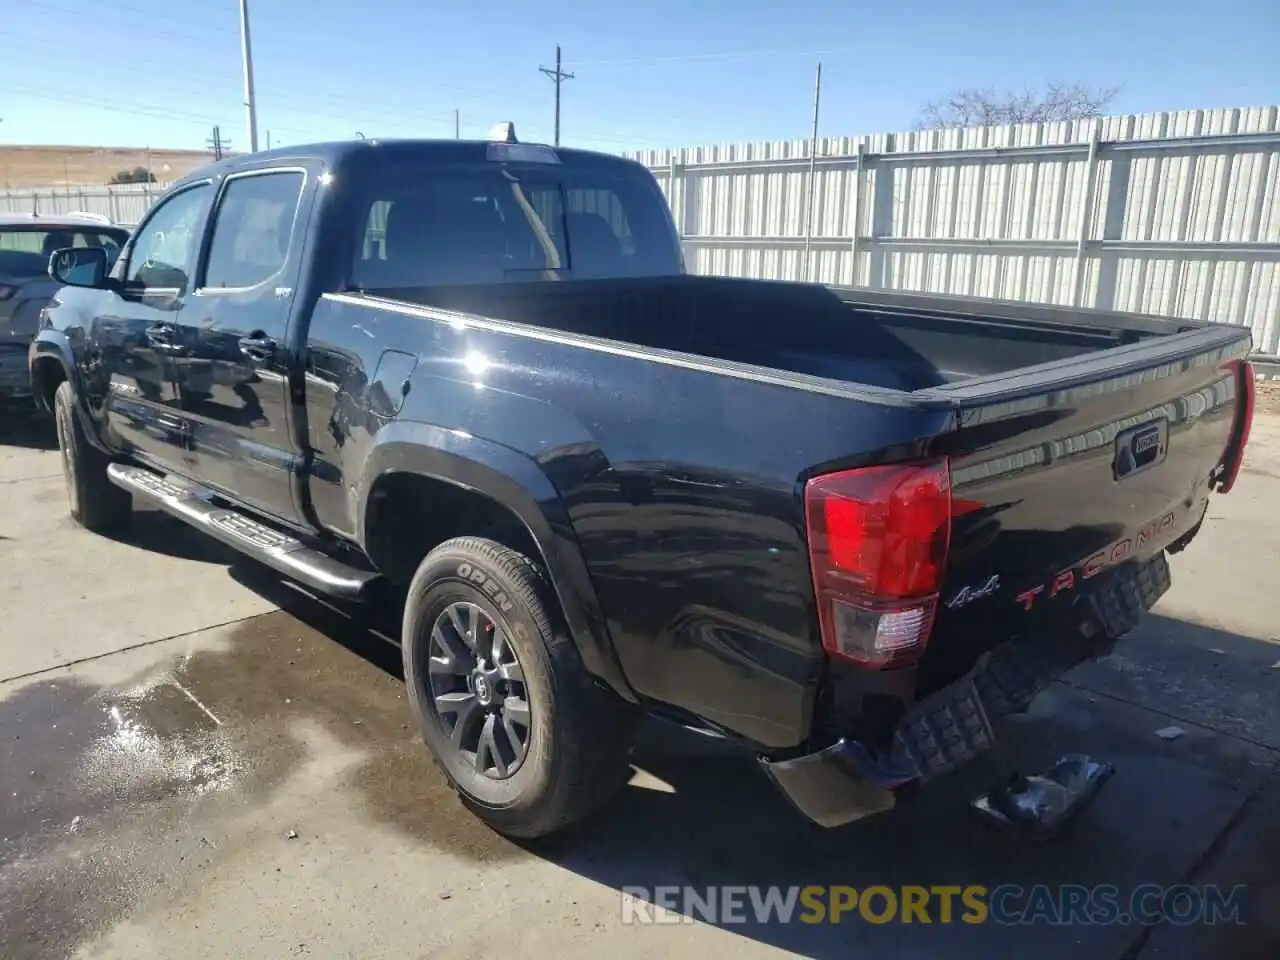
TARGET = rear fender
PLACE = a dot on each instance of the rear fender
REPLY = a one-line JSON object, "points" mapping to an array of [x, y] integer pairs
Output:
{"points": [[515, 481]]}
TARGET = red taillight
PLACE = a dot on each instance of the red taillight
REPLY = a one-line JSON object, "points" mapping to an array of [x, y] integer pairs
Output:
{"points": [[1234, 460], [878, 539]]}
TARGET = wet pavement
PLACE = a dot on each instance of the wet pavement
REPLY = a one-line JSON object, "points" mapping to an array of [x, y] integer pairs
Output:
{"points": [[197, 760]]}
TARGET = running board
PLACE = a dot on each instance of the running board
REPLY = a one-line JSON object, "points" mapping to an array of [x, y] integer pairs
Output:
{"points": [[278, 550]]}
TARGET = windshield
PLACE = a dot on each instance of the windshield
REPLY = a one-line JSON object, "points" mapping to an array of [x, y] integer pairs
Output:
{"points": [[25, 251], [424, 227]]}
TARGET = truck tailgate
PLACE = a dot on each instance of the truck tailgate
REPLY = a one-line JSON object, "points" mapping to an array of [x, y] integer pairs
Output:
{"points": [[1063, 472]]}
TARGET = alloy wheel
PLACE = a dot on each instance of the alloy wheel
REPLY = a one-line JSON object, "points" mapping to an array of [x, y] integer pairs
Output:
{"points": [[478, 691]]}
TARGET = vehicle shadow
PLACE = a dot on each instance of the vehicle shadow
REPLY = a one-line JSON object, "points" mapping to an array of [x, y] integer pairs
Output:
{"points": [[156, 531], [372, 631], [700, 816], [27, 428]]}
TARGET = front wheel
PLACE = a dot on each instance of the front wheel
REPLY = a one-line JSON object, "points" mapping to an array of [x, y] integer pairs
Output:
{"points": [[528, 740], [95, 502]]}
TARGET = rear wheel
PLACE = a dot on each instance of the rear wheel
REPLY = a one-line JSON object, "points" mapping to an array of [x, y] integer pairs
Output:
{"points": [[95, 502], [529, 741]]}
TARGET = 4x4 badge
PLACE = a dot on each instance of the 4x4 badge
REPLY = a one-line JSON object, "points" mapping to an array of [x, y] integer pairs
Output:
{"points": [[969, 594]]}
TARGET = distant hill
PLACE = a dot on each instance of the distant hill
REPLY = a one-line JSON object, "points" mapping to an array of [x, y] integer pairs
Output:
{"points": [[23, 166]]}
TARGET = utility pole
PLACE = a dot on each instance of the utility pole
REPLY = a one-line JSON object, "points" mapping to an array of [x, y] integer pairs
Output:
{"points": [[217, 144], [558, 77], [457, 125], [250, 103], [813, 163], [268, 139]]}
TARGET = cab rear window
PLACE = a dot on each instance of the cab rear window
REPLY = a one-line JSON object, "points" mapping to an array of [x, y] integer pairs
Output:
{"points": [[489, 224]]}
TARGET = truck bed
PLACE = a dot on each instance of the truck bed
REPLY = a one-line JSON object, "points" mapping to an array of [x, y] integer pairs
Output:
{"points": [[892, 341], [1032, 407]]}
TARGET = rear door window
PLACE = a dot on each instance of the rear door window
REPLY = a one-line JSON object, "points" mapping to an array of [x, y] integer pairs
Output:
{"points": [[252, 228]]}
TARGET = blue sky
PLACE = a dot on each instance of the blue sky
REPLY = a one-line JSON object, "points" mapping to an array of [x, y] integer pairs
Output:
{"points": [[661, 73]]}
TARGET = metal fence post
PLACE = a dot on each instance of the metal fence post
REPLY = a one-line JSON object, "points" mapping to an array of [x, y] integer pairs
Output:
{"points": [[688, 203], [681, 197], [881, 221], [855, 213], [1086, 215], [1113, 215]]}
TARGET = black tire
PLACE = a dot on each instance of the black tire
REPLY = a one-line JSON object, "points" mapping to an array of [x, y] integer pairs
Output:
{"points": [[579, 736], [96, 503]]}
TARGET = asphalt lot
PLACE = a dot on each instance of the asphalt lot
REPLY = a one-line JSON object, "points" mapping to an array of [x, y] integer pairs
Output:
{"points": [[198, 761]]}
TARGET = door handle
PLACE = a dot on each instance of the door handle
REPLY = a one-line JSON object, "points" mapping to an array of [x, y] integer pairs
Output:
{"points": [[258, 346], [160, 336]]}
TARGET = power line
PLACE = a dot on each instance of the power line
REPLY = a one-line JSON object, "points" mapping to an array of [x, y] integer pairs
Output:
{"points": [[390, 73], [321, 102], [204, 27], [704, 57], [110, 106], [318, 104], [313, 103], [297, 118], [558, 76], [296, 108], [151, 14]]}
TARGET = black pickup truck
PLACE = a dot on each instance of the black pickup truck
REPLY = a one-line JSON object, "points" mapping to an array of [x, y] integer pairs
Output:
{"points": [[848, 529]]}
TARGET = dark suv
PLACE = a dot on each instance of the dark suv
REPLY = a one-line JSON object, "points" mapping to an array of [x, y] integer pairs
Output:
{"points": [[26, 241]]}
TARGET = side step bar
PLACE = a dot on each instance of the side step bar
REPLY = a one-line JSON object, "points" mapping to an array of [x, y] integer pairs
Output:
{"points": [[278, 550]]}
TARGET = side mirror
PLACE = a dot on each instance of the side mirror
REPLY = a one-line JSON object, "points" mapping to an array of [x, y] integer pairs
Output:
{"points": [[79, 267]]}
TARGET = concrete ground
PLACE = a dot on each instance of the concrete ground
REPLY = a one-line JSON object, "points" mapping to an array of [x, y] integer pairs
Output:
{"points": [[198, 761]]}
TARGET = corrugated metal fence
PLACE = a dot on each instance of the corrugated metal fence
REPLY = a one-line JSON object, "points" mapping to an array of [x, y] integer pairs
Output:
{"points": [[124, 203], [1171, 213]]}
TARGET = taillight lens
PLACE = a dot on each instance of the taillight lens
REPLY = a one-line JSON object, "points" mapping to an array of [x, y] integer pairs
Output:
{"points": [[878, 539], [1247, 386]]}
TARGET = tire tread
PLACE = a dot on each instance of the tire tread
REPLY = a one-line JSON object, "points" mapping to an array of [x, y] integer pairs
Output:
{"points": [[101, 506]]}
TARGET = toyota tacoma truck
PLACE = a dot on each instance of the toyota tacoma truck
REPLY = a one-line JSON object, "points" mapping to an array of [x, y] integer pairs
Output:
{"points": [[848, 529]]}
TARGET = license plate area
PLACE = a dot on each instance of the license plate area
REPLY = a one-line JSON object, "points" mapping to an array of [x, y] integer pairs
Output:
{"points": [[1140, 448]]}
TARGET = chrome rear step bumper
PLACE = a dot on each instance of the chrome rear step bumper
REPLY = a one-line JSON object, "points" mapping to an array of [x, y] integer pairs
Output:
{"points": [[276, 549]]}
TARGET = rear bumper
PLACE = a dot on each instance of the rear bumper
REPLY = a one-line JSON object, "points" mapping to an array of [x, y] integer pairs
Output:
{"points": [[846, 781]]}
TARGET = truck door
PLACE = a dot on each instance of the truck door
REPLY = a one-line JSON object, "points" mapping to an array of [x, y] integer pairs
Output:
{"points": [[136, 332], [234, 385]]}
